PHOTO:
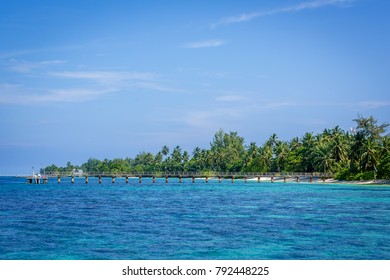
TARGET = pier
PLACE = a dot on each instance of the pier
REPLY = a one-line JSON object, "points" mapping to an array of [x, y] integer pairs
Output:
{"points": [[37, 179], [178, 176]]}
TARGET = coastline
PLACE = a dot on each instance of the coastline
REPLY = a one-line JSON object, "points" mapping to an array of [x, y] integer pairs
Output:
{"points": [[382, 182]]}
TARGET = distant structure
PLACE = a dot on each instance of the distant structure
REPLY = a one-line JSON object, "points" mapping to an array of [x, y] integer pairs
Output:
{"points": [[77, 172], [36, 178]]}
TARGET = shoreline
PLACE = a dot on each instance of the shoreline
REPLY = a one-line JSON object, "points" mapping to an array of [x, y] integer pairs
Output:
{"points": [[327, 181], [383, 182]]}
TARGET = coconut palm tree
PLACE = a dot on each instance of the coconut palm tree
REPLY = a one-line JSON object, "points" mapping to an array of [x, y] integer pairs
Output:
{"points": [[265, 158], [339, 145], [281, 153], [322, 156], [370, 156], [165, 150], [272, 140], [251, 154], [308, 145]]}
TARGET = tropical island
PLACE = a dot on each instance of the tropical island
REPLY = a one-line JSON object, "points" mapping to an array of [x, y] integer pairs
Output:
{"points": [[359, 154]]}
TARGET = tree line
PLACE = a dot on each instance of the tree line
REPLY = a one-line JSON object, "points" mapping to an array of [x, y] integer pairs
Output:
{"points": [[359, 154]]}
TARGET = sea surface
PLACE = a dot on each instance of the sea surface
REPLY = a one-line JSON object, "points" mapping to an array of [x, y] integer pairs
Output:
{"points": [[216, 221]]}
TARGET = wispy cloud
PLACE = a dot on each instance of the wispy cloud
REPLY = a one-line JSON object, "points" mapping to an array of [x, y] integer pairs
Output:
{"points": [[279, 105], [369, 104], [18, 94], [23, 66], [212, 119], [229, 98], [89, 85], [73, 94], [204, 44], [106, 77], [290, 9], [119, 79]]}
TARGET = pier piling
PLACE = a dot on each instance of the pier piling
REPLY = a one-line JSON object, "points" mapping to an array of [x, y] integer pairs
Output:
{"points": [[245, 177]]}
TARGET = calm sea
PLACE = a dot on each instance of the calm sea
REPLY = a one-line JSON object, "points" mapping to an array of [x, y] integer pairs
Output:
{"points": [[192, 220]]}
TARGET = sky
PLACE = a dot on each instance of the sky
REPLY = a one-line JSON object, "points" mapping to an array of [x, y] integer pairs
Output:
{"points": [[110, 79]]}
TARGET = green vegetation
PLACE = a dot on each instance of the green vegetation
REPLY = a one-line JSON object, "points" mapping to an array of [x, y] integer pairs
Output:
{"points": [[361, 154]]}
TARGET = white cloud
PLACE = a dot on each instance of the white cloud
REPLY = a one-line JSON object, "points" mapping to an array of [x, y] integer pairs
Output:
{"points": [[23, 66], [73, 94], [369, 104], [229, 98], [214, 116], [204, 44], [98, 75], [91, 85], [17, 94], [291, 9], [278, 105], [105, 76], [122, 80]]}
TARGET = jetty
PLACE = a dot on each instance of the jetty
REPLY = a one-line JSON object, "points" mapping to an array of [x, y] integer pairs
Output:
{"points": [[179, 176], [37, 179]]}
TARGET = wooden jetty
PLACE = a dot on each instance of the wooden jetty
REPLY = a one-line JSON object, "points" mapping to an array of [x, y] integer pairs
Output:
{"points": [[206, 176], [37, 179]]}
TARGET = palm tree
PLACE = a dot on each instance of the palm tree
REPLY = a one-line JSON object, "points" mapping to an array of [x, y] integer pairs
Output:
{"points": [[265, 158], [196, 152], [185, 160], [369, 128], [323, 159], [281, 152], [165, 150], [272, 140], [308, 144], [251, 154], [165, 153], [294, 143], [339, 145], [370, 156]]}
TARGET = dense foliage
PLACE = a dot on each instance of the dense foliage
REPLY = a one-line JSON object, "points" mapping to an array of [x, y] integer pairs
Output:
{"points": [[362, 153]]}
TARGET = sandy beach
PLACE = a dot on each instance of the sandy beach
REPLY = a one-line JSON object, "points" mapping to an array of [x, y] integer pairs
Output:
{"points": [[280, 179]]}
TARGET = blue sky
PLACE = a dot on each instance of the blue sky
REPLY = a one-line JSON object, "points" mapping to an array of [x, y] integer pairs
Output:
{"points": [[106, 79]]}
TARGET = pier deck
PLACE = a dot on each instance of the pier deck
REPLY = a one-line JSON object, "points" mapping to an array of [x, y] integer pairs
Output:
{"points": [[271, 176]]}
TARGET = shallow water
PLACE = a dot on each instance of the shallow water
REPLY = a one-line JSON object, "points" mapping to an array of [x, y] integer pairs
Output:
{"points": [[192, 220]]}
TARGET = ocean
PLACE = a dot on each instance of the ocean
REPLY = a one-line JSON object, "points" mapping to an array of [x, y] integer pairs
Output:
{"points": [[192, 221]]}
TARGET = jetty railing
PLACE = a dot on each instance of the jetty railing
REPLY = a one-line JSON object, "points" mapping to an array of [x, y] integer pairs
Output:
{"points": [[188, 174], [271, 176]]}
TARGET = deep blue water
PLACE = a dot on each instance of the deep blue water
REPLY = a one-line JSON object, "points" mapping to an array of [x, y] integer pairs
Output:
{"points": [[192, 221]]}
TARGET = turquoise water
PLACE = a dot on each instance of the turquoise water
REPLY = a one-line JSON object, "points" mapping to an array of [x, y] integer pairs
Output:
{"points": [[192, 221]]}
